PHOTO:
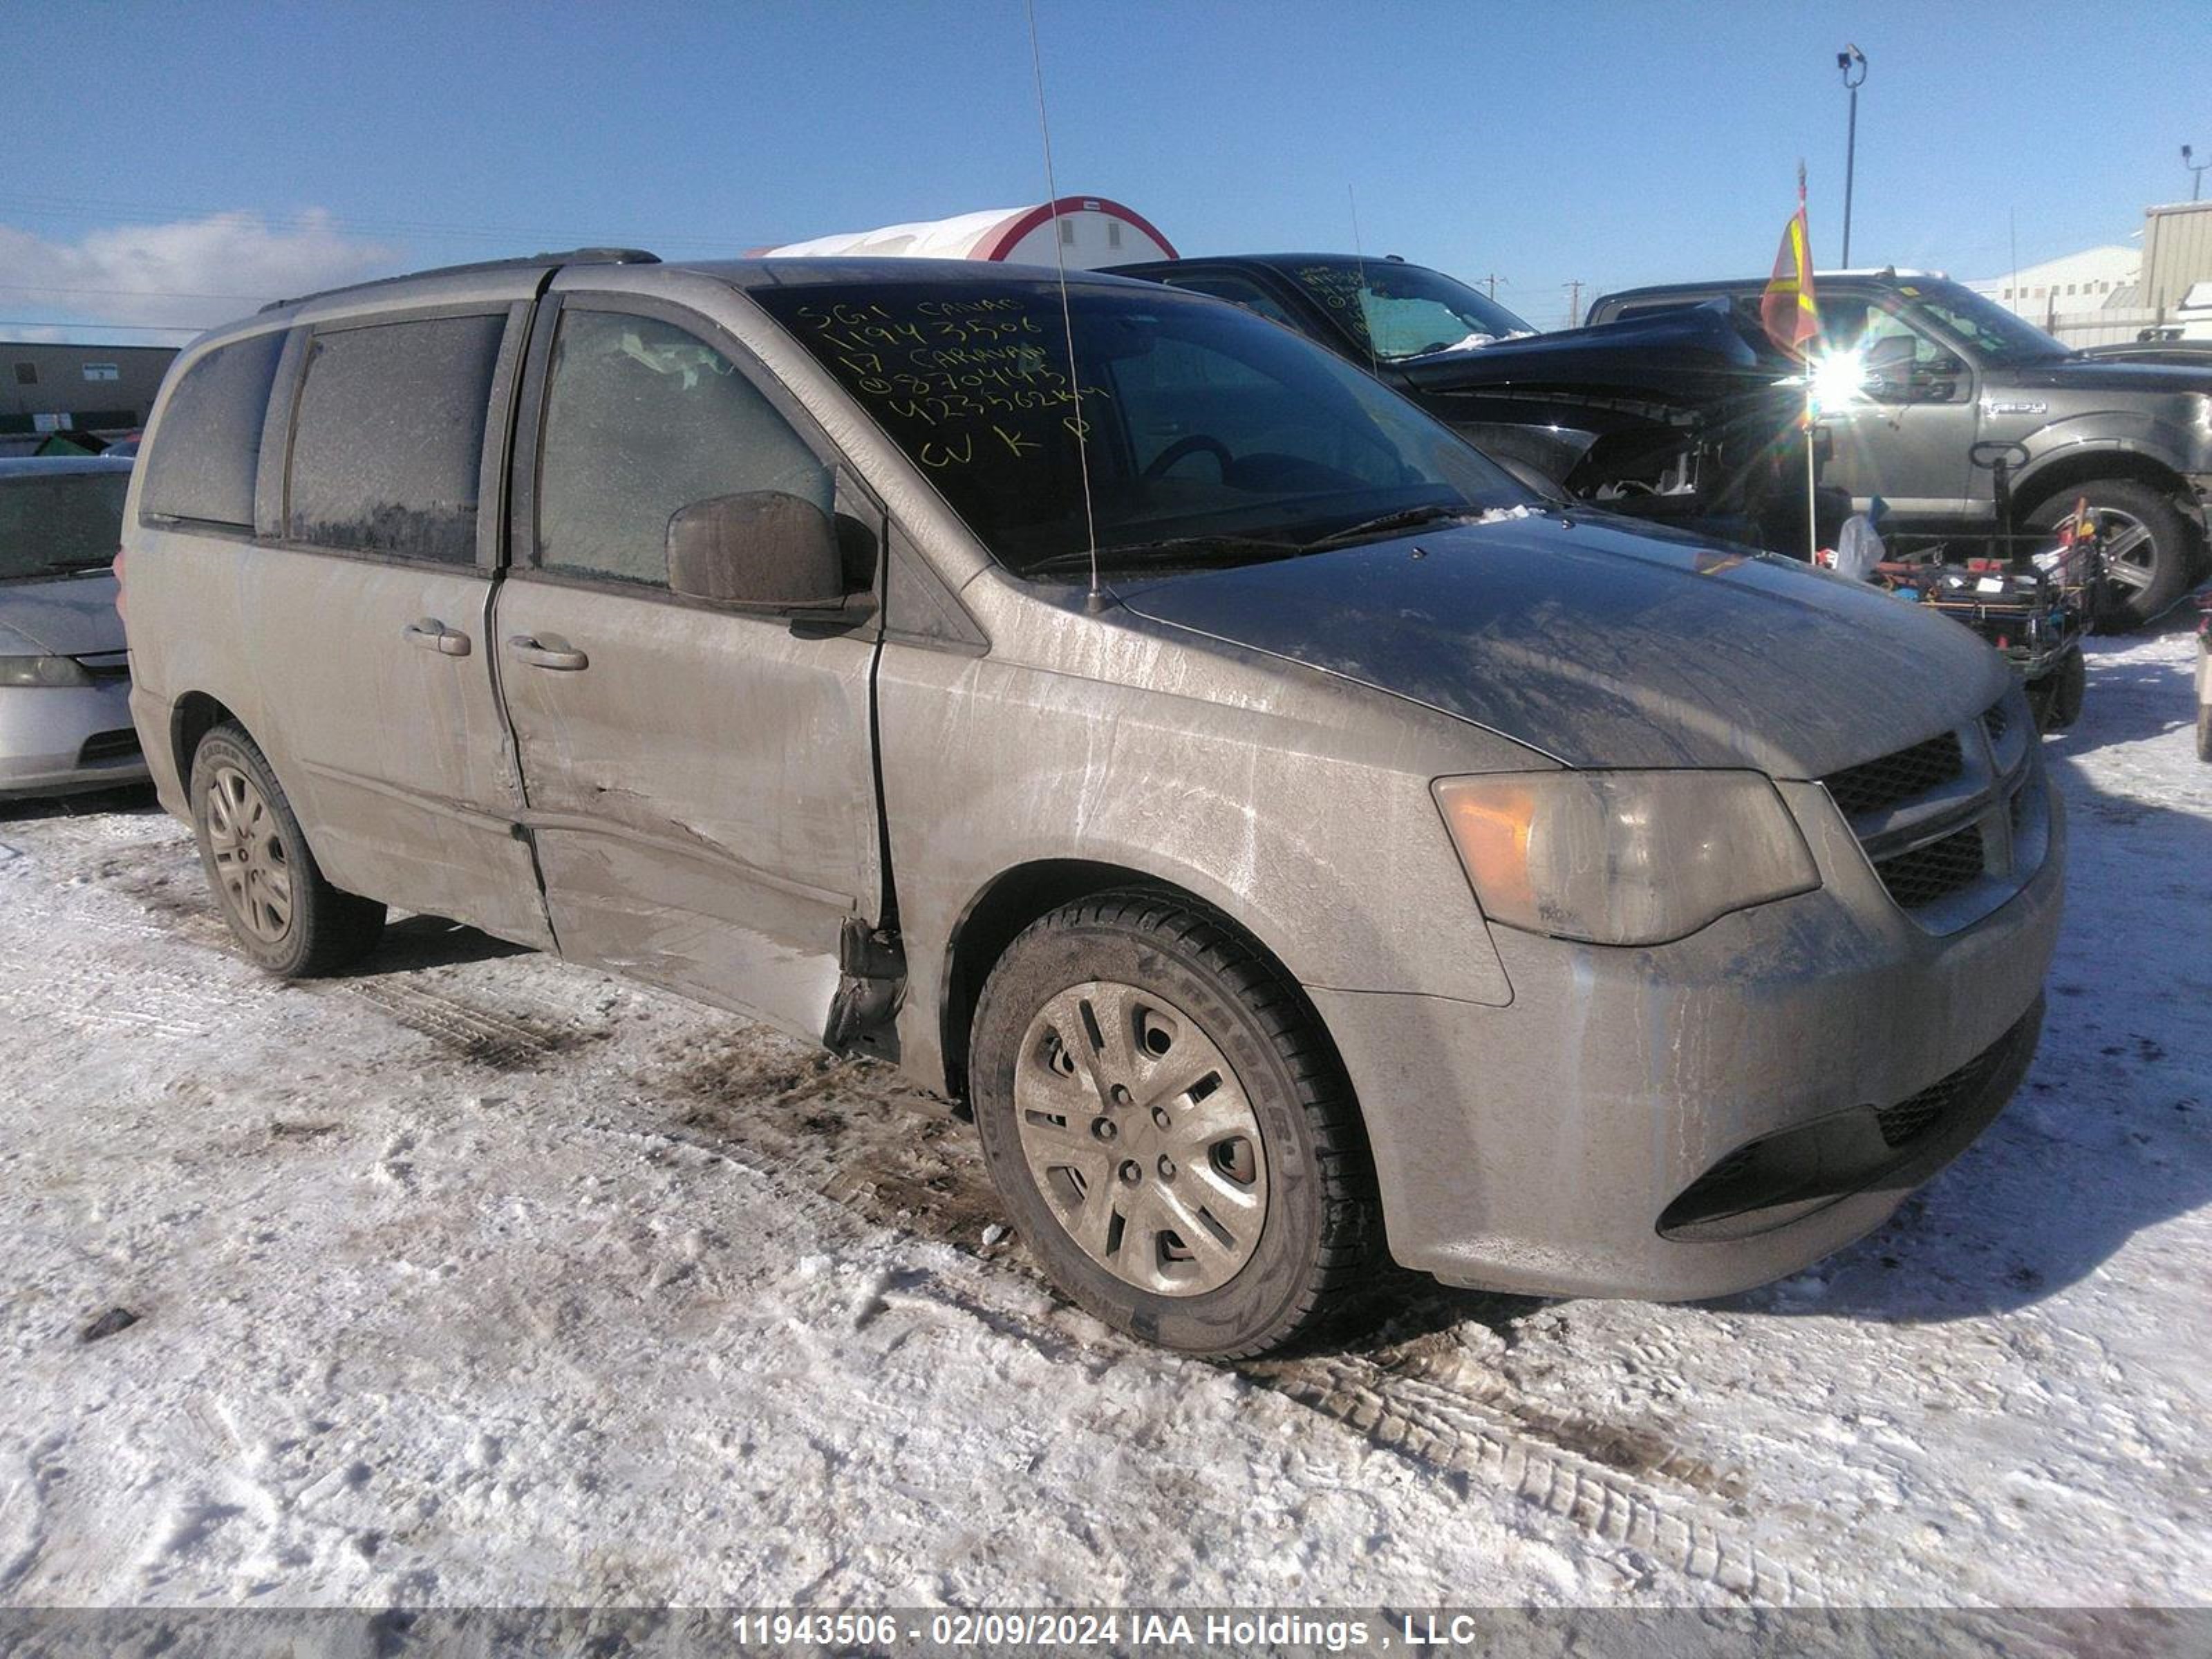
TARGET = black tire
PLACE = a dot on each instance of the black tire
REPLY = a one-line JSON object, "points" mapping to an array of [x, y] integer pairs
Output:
{"points": [[321, 929], [2160, 567], [1319, 1245]]}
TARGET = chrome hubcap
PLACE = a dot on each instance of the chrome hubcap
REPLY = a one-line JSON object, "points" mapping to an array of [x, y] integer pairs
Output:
{"points": [[250, 867], [2128, 547], [1141, 1138]]}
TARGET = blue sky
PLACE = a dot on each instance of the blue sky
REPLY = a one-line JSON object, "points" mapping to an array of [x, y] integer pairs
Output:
{"points": [[1610, 143]]}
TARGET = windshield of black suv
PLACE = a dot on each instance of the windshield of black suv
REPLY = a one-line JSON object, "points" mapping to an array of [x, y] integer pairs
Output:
{"points": [[59, 523], [1400, 311], [2000, 339], [1212, 436]]}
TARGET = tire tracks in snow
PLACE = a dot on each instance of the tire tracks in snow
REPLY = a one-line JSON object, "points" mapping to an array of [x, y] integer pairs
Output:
{"points": [[830, 1139]]}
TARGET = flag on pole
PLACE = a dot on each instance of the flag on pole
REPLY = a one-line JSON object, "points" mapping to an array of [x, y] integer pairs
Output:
{"points": [[1788, 308]]}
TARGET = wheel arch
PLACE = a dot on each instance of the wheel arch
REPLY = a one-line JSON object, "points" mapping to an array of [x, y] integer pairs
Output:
{"points": [[2075, 467], [191, 717], [1016, 897]]}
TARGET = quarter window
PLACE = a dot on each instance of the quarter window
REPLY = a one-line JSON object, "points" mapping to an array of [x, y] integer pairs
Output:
{"points": [[201, 460], [642, 420], [390, 438]]}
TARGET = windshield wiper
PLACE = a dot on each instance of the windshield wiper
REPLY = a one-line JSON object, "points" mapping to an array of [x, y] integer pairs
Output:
{"points": [[1404, 519], [1171, 548]]}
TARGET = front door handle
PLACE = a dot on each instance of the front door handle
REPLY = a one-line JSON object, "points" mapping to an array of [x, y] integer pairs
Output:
{"points": [[551, 652], [431, 634]]}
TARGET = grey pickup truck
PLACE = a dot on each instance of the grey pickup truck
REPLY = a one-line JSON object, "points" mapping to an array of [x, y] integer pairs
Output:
{"points": [[1941, 369]]}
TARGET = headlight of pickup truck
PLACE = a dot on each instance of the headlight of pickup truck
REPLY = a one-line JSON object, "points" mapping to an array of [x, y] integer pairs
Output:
{"points": [[42, 671], [1624, 858]]}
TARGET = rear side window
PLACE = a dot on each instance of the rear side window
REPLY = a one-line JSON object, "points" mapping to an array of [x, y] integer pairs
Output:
{"points": [[643, 420], [201, 463], [389, 438]]}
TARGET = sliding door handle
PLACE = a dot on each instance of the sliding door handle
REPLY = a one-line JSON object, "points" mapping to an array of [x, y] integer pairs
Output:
{"points": [[431, 634]]}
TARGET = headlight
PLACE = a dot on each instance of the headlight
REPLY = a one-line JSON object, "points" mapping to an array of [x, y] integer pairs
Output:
{"points": [[42, 671], [1624, 858]]}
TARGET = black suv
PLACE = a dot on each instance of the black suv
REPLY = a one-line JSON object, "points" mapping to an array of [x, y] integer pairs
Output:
{"points": [[1943, 371]]}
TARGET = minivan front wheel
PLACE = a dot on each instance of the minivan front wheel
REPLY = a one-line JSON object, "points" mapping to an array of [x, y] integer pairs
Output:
{"points": [[282, 911], [1169, 1128]]}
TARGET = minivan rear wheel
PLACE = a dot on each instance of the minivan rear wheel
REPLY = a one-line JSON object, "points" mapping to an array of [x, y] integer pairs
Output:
{"points": [[1169, 1129], [282, 911]]}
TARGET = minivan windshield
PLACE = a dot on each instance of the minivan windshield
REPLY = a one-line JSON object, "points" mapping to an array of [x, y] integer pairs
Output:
{"points": [[59, 523], [1210, 435], [1399, 311]]}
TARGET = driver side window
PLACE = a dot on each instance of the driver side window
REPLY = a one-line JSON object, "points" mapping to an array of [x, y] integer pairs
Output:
{"points": [[643, 419]]}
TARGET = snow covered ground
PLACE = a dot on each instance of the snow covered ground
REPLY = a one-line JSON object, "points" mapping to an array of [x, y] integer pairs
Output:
{"points": [[477, 1278]]}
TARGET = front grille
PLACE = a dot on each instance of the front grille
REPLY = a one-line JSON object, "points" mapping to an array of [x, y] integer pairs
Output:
{"points": [[108, 747], [1911, 1118], [1875, 785], [1936, 871]]}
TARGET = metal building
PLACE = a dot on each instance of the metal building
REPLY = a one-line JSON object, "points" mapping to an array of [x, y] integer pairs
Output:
{"points": [[2176, 252], [107, 389]]}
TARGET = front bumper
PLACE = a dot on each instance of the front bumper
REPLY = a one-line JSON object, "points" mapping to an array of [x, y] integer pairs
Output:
{"points": [[55, 740], [1539, 1148]]}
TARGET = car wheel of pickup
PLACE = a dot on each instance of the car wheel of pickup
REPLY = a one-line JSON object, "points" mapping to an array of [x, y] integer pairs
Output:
{"points": [[2149, 547], [284, 915], [1169, 1129]]}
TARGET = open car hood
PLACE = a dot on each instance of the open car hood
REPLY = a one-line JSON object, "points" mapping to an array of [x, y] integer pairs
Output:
{"points": [[1605, 644], [1695, 353]]}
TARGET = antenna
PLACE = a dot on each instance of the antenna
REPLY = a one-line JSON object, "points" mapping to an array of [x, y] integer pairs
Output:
{"points": [[1095, 600], [1359, 263]]}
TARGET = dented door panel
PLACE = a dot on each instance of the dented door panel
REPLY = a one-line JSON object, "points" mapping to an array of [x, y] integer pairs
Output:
{"points": [[701, 793]]}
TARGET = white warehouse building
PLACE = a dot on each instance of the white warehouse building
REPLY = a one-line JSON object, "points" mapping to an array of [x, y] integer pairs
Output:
{"points": [[2092, 280], [1091, 231]]}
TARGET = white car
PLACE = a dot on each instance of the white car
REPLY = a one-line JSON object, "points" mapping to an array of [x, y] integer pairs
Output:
{"points": [[64, 673]]}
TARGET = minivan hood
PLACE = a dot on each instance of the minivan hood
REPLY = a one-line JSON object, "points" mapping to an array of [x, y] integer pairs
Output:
{"points": [[68, 616], [1606, 645]]}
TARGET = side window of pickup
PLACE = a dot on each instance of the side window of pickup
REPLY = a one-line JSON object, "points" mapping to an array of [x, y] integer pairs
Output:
{"points": [[642, 419]]}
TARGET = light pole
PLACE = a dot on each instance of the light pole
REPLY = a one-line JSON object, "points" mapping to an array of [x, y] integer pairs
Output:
{"points": [[1852, 62], [2196, 171]]}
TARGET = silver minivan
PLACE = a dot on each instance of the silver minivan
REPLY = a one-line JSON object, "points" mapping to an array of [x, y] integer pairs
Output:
{"points": [[1296, 841]]}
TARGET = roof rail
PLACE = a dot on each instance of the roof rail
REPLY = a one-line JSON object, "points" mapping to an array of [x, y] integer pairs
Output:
{"points": [[574, 255]]}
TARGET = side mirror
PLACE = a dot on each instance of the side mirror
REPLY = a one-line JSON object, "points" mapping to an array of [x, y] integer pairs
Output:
{"points": [[762, 549], [1890, 358]]}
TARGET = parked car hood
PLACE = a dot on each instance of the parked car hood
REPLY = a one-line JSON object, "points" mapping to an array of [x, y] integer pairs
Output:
{"points": [[1607, 645], [1697, 351], [68, 616]]}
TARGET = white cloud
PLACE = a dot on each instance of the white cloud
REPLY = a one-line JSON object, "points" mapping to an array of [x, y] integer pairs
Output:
{"points": [[192, 274]]}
